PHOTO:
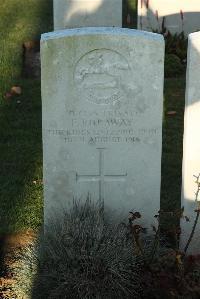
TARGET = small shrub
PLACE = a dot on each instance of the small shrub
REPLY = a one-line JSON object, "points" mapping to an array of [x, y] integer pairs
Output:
{"points": [[87, 257], [175, 51], [170, 277], [173, 66], [176, 44]]}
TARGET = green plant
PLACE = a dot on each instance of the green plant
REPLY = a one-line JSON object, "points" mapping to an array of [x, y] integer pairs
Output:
{"points": [[174, 274], [86, 256], [173, 66], [175, 51], [171, 278], [176, 44], [176, 54]]}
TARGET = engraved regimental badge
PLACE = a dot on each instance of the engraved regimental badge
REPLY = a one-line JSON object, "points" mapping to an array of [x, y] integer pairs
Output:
{"points": [[99, 76]]}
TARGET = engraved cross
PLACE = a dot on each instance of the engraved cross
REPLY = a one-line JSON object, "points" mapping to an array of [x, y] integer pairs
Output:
{"points": [[101, 177]]}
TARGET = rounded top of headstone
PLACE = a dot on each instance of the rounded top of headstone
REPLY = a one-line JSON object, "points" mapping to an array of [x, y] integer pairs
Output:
{"points": [[101, 31]]}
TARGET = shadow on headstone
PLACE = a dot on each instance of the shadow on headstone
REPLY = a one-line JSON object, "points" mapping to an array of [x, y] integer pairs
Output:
{"points": [[186, 22], [191, 145], [96, 13]]}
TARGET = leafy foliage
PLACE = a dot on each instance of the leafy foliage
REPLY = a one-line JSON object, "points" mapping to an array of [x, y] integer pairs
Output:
{"points": [[176, 44], [173, 66], [87, 255], [175, 51], [171, 277]]}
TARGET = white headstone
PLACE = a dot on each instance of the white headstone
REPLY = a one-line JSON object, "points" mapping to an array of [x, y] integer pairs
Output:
{"points": [[87, 13], [102, 95], [180, 15], [191, 147]]}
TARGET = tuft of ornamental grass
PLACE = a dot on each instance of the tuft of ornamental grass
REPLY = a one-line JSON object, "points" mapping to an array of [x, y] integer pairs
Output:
{"points": [[85, 256]]}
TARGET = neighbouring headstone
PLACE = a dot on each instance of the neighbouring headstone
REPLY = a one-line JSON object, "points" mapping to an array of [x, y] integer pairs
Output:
{"points": [[191, 146], [102, 95], [87, 13], [175, 15]]}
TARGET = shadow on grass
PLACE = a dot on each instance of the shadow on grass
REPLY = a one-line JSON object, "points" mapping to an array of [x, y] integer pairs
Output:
{"points": [[19, 22], [172, 146], [172, 143], [20, 121], [21, 158]]}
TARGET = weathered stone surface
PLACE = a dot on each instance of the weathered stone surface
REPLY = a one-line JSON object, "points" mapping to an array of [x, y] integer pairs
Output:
{"points": [[191, 146], [179, 15], [87, 13], [102, 94]]}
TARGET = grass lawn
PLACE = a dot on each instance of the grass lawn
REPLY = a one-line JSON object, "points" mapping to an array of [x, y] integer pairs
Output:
{"points": [[174, 100], [21, 198], [20, 117]]}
